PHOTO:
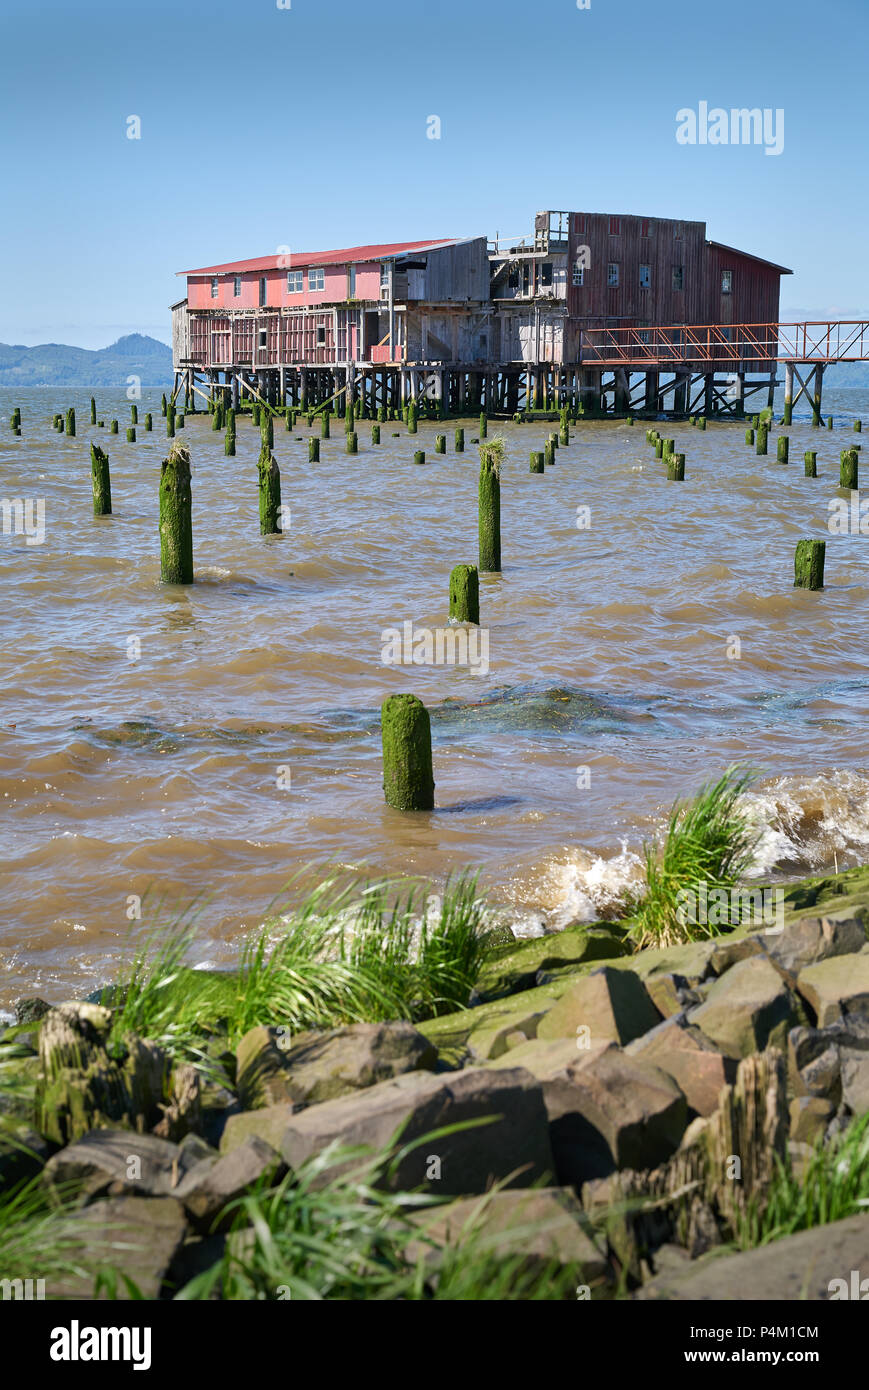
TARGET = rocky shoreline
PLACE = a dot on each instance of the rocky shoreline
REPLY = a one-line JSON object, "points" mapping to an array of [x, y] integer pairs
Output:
{"points": [[599, 1123]]}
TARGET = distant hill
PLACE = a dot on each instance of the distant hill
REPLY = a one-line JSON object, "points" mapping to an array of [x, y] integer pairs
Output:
{"points": [[847, 374], [55, 364]]}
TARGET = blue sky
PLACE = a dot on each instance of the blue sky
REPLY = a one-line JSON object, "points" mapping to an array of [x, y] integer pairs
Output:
{"points": [[307, 126]]}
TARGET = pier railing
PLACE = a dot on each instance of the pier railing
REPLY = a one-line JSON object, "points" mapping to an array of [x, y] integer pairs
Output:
{"points": [[742, 344]]}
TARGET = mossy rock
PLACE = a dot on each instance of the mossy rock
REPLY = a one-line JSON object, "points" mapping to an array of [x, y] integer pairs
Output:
{"points": [[480, 1033], [517, 968]]}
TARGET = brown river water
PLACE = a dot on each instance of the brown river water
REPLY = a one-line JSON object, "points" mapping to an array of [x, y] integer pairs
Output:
{"points": [[210, 741]]}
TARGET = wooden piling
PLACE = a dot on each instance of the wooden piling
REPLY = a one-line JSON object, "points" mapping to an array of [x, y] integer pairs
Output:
{"points": [[760, 440], [782, 448], [93, 411], [419, 456], [676, 468], [70, 422], [176, 530], [229, 439], [375, 434], [489, 519], [149, 424], [440, 444], [134, 414], [269, 492], [749, 436], [313, 449], [131, 435], [537, 462], [460, 441], [848, 468], [465, 594], [811, 463], [809, 564], [484, 425], [408, 776], [352, 445], [701, 422], [113, 427], [101, 482]]}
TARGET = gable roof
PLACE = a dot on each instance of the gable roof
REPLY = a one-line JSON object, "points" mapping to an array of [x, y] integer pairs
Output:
{"points": [[348, 255], [749, 257]]}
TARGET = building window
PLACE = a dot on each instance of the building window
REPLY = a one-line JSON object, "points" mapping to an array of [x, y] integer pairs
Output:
{"points": [[579, 275], [295, 281], [236, 285], [615, 226], [513, 279], [214, 287], [351, 282], [612, 275], [580, 224], [646, 226], [321, 335], [678, 277], [263, 340], [316, 279], [546, 273], [262, 289], [727, 282], [645, 277]]}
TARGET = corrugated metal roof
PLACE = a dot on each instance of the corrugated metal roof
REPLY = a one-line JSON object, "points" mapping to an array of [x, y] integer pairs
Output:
{"points": [[347, 255]]}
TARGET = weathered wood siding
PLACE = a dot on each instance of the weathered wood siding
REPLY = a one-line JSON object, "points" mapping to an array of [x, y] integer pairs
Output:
{"points": [[754, 297], [659, 243]]}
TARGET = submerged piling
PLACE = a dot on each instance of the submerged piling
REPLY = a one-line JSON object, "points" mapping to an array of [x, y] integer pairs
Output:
{"points": [[848, 468], [809, 564], [465, 594], [676, 468], [313, 450], [782, 448], [760, 445], [93, 411], [419, 456], [101, 482], [537, 462], [811, 463], [70, 421], [460, 441], [408, 777], [375, 434], [131, 435], [229, 438], [440, 444], [176, 530], [489, 507], [269, 492], [352, 445]]}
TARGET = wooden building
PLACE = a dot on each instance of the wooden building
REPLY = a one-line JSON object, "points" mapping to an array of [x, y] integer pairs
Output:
{"points": [[470, 322]]}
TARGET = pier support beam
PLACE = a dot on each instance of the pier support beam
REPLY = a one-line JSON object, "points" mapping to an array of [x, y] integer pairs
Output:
{"points": [[789, 394]]}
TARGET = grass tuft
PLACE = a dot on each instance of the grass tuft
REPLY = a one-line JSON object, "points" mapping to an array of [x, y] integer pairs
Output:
{"points": [[710, 841]]}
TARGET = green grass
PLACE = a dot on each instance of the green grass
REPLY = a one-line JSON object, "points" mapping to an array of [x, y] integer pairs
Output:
{"points": [[361, 952], [349, 1240], [710, 841], [833, 1184]]}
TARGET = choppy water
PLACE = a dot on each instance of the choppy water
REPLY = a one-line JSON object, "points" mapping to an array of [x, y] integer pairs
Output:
{"points": [[608, 649]]}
